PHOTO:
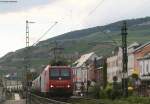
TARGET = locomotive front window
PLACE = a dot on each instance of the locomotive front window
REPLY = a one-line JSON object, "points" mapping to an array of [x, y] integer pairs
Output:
{"points": [[60, 73], [65, 73], [54, 73]]}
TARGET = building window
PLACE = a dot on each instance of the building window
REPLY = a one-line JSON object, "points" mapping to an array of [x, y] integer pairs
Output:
{"points": [[141, 67], [147, 68]]}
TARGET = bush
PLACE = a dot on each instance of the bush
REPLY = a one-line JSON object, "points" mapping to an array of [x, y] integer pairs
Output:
{"points": [[130, 91], [102, 94], [108, 91], [111, 91], [94, 91], [117, 90]]}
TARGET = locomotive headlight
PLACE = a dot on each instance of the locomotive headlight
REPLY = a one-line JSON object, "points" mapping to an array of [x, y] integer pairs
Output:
{"points": [[68, 86], [51, 86]]}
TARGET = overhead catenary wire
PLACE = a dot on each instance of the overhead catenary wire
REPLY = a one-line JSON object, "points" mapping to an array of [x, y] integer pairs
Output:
{"points": [[45, 33], [91, 12], [94, 9], [97, 6]]}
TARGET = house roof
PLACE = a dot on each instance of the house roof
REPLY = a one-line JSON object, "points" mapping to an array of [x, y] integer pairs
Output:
{"points": [[133, 45], [83, 59], [148, 43]]}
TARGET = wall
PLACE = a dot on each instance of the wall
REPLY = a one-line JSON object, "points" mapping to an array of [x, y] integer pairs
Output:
{"points": [[139, 54], [114, 66]]}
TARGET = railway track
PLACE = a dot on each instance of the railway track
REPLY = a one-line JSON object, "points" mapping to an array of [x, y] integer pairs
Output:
{"points": [[35, 99]]}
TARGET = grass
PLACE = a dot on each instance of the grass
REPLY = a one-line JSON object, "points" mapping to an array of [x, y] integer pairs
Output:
{"points": [[130, 100]]}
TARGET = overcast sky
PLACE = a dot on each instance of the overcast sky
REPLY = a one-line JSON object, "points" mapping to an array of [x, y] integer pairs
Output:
{"points": [[70, 15]]}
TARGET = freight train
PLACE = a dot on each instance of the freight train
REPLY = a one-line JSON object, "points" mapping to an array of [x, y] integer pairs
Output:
{"points": [[54, 81]]}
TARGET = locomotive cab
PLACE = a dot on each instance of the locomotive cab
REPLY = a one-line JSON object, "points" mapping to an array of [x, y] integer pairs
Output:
{"points": [[54, 80], [60, 80]]}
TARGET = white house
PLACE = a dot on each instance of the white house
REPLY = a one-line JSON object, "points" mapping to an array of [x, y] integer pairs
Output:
{"points": [[82, 67], [114, 65], [114, 62]]}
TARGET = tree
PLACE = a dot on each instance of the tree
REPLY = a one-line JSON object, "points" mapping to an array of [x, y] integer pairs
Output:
{"points": [[104, 73]]}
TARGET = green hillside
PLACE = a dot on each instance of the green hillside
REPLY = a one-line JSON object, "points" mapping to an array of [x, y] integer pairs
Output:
{"points": [[100, 39]]}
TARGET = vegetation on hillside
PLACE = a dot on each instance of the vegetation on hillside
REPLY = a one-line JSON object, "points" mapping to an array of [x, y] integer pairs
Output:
{"points": [[100, 39]]}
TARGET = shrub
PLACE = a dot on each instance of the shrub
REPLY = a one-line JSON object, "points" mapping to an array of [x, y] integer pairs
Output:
{"points": [[94, 91], [108, 91], [102, 94], [130, 91], [113, 91]]}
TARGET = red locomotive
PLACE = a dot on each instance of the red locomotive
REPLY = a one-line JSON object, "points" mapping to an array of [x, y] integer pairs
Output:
{"points": [[54, 80]]}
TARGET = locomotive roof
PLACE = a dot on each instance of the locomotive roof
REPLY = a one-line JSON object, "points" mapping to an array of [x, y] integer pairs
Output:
{"points": [[59, 67], [49, 66]]}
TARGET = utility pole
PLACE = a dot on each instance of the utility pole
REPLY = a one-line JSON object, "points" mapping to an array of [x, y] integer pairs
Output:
{"points": [[124, 60], [27, 59], [27, 62]]}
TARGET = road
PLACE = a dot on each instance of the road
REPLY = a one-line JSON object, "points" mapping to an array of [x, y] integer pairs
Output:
{"points": [[2, 95], [17, 100], [17, 97]]}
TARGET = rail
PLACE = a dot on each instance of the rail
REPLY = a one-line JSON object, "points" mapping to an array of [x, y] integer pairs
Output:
{"points": [[42, 100]]}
